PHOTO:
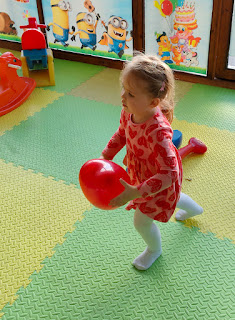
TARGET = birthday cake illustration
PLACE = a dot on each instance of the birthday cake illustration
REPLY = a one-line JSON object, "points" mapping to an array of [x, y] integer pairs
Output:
{"points": [[185, 15]]}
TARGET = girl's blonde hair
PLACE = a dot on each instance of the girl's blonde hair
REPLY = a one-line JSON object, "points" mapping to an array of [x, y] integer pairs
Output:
{"points": [[159, 80]]}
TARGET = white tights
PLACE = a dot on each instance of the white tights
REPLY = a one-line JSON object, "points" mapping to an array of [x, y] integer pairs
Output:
{"points": [[151, 233]]}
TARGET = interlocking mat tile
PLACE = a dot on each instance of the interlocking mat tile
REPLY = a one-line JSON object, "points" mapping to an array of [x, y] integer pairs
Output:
{"points": [[90, 276], [211, 178], [36, 213], [60, 138], [105, 87], [181, 88], [69, 74], [212, 106], [38, 100]]}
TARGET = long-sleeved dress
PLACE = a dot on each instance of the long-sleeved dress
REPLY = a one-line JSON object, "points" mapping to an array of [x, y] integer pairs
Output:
{"points": [[153, 162]]}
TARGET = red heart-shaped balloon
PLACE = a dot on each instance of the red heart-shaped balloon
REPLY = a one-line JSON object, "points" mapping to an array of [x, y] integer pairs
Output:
{"points": [[99, 181]]}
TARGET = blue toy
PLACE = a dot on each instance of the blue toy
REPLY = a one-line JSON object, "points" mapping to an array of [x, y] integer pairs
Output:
{"points": [[177, 138]]}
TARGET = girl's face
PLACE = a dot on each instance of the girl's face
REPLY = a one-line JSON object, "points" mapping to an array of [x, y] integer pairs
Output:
{"points": [[135, 98]]}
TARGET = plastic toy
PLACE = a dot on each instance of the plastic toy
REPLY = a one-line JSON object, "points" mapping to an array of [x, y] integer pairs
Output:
{"points": [[99, 181], [194, 145], [14, 90], [177, 138], [37, 59]]}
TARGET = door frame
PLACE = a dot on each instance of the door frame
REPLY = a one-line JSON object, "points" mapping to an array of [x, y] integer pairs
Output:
{"points": [[225, 26]]}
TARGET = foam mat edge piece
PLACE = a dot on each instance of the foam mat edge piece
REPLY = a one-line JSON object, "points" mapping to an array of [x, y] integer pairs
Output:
{"points": [[39, 99]]}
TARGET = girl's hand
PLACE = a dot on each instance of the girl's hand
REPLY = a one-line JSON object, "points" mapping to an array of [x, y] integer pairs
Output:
{"points": [[128, 194], [102, 157]]}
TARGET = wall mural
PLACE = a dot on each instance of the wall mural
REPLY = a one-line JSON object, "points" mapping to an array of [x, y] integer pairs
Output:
{"points": [[97, 27], [94, 27], [15, 13], [179, 31]]}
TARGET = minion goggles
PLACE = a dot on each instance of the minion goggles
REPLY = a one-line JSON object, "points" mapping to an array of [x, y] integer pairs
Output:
{"points": [[116, 22], [88, 18], [63, 5]]}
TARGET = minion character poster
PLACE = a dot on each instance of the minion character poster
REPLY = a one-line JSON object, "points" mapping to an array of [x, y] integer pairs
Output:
{"points": [[95, 27], [178, 31]]}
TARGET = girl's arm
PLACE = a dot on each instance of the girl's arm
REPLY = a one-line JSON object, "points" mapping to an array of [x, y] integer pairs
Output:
{"points": [[117, 142]]}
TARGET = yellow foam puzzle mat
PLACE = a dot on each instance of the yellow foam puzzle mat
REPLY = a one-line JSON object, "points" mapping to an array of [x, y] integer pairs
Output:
{"points": [[208, 179], [36, 213]]}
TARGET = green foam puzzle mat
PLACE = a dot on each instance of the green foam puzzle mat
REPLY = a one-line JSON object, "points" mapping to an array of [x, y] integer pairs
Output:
{"points": [[60, 138], [63, 259], [69, 74], [90, 276], [208, 105]]}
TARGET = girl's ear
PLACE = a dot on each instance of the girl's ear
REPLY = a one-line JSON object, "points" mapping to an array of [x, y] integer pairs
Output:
{"points": [[155, 102]]}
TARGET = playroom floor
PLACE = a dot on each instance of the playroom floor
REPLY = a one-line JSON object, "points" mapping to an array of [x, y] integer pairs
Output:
{"points": [[63, 259]]}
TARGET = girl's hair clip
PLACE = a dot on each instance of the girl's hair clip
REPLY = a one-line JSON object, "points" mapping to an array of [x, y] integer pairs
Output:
{"points": [[163, 86]]}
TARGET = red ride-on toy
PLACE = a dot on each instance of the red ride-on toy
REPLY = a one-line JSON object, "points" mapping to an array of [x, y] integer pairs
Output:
{"points": [[14, 90]]}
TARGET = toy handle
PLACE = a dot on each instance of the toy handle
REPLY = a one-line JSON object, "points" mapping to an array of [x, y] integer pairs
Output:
{"points": [[183, 152], [42, 26], [33, 24]]}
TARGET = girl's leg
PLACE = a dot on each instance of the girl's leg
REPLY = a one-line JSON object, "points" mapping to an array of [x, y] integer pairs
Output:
{"points": [[151, 235], [188, 208]]}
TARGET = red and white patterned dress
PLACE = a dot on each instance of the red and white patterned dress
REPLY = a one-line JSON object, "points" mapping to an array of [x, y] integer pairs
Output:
{"points": [[153, 162]]}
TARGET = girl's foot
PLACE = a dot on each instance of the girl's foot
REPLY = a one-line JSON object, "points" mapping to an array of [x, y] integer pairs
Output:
{"points": [[182, 215], [188, 208], [146, 259]]}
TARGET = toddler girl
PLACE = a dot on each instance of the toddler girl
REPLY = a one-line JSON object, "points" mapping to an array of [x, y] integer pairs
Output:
{"points": [[153, 162]]}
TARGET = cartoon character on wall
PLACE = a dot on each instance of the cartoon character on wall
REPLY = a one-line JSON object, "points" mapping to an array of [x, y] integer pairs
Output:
{"points": [[178, 54], [182, 44], [165, 47], [181, 36], [86, 24], [6, 24], [191, 57], [184, 24], [60, 12], [115, 36]]}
